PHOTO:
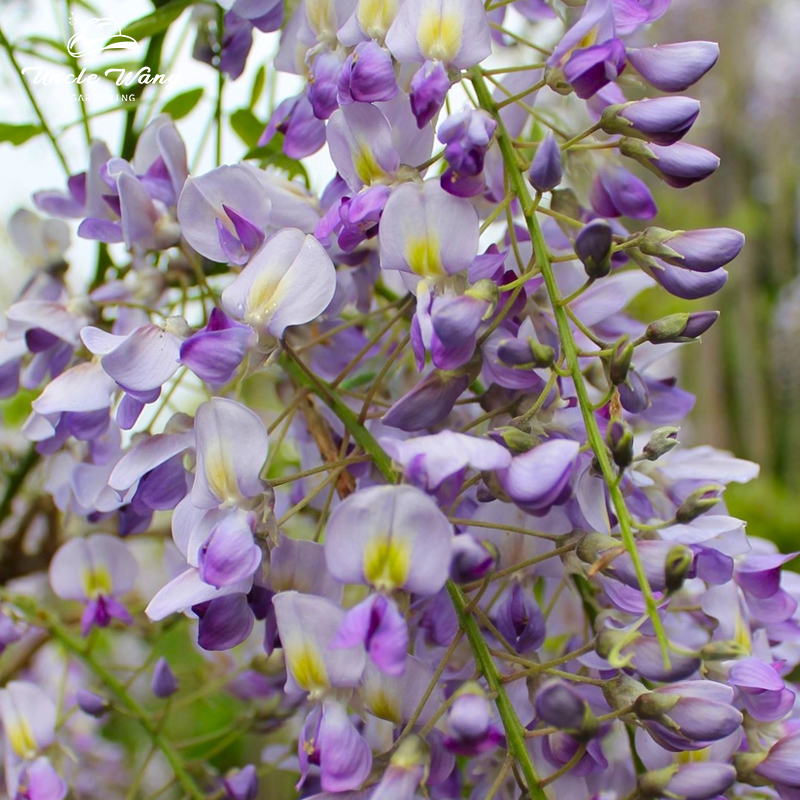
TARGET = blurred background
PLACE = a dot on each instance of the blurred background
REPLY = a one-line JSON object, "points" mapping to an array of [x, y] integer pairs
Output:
{"points": [[746, 373]]}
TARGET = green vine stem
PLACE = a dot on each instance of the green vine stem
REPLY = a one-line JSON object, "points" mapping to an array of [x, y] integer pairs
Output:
{"points": [[515, 733], [570, 349], [40, 618]]}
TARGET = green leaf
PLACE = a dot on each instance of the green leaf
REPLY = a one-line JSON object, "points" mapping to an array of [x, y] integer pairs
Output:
{"points": [[60, 47], [271, 155], [158, 21], [258, 86], [247, 126], [18, 134], [182, 104]]}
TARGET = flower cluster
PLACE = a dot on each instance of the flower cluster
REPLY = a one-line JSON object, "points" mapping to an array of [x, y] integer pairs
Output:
{"points": [[395, 450]]}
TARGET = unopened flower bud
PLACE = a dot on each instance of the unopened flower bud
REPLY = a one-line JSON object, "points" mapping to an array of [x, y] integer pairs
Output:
{"points": [[546, 171], [680, 327], [678, 563], [619, 438], [620, 361], [661, 442], [697, 503], [528, 354], [674, 67], [702, 250], [560, 705], [679, 165], [663, 120], [90, 703], [693, 781], [164, 682], [593, 248]]}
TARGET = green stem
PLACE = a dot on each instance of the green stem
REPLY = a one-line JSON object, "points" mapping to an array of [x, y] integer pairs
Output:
{"points": [[7, 46], [515, 733], [570, 351], [15, 481], [77, 647]]}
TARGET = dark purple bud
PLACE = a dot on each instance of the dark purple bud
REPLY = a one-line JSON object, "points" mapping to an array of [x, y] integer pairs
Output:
{"points": [[224, 622], [591, 68], [520, 621], [693, 781], [702, 250], [367, 75], [528, 354], [90, 703], [429, 87], [679, 165], [469, 723], [660, 443], [663, 120], [473, 559], [467, 136], [241, 784], [304, 133], [680, 327], [215, 352], [619, 438], [593, 248], [323, 83], [428, 403], [546, 170], [618, 193], [164, 683], [674, 67], [560, 705], [697, 503]]}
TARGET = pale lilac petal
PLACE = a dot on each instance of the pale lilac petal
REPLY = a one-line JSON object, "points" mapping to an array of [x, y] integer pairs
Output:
{"points": [[345, 757], [453, 31], [85, 387], [289, 281], [391, 537], [307, 625], [428, 232], [145, 456], [201, 206], [98, 564], [188, 590], [145, 361], [232, 445], [229, 555]]}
